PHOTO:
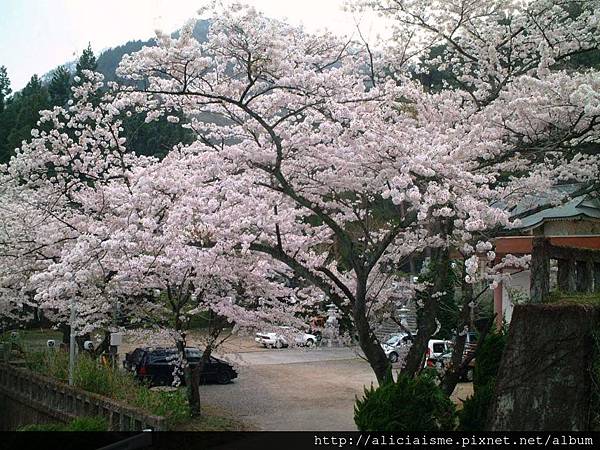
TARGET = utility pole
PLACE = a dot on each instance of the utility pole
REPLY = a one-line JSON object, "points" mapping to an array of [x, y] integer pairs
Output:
{"points": [[72, 343], [113, 349]]}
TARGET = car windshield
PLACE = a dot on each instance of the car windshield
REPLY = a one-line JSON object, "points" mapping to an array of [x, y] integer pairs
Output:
{"points": [[193, 353], [394, 340], [438, 347], [162, 354]]}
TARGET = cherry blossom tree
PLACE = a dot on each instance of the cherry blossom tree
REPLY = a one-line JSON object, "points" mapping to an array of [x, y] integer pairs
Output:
{"points": [[316, 158], [511, 70], [339, 165]]}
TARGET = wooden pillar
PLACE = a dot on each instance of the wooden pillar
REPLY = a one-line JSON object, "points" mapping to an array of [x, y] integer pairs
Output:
{"points": [[498, 305], [540, 270], [597, 277]]}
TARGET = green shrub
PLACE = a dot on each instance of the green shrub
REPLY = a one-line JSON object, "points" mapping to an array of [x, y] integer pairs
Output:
{"points": [[117, 384], [93, 377], [488, 358], [199, 321], [51, 363], [172, 405], [88, 424], [407, 405], [473, 415]]}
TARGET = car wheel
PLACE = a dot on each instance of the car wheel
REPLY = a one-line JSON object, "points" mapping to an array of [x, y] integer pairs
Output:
{"points": [[310, 342], [393, 357], [223, 377], [279, 344]]}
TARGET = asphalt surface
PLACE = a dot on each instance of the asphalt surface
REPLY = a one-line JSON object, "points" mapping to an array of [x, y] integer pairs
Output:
{"points": [[294, 389]]}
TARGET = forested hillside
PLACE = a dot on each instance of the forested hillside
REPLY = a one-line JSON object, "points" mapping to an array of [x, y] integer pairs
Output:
{"points": [[19, 111]]}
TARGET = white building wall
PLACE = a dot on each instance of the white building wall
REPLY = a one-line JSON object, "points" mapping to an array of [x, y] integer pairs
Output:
{"points": [[515, 290]]}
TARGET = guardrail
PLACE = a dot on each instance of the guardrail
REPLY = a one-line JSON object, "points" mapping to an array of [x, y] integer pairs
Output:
{"points": [[64, 402]]}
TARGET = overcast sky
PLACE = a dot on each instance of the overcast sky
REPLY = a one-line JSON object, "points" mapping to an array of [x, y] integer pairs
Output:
{"points": [[38, 35]]}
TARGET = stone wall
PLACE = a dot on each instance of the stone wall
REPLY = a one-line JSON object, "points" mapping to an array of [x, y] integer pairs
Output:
{"points": [[544, 382], [28, 398]]}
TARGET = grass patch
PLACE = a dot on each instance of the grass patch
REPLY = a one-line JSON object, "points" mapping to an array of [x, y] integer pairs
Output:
{"points": [[214, 419], [573, 297], [120, 385], [117, 384], [30, 340]]}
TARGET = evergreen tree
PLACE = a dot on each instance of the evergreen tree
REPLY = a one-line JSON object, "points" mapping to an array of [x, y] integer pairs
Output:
{"points": [[25, 111], [59, 88], [87, 61], [4, 87], [156, 138], [6, 118]]}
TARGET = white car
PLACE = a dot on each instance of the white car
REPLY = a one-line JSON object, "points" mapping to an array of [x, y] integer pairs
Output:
{"points": [[279, 340], [397, 345], [438, 353]]}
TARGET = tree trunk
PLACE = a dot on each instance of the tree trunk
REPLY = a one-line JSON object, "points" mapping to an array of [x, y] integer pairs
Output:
{"points": [[440, 264], [452, 376], [104, 345], [367, 339], [80, 340], [192, 389], [66, 333]]}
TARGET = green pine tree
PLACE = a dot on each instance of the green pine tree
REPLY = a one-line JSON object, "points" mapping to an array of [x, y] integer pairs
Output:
{"points": [[59, 88], [87, 61], [25, 111], [6, 115], [4, 87]]}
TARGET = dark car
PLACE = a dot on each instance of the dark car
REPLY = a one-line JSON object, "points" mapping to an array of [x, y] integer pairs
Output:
{"points": [[155, 365]]}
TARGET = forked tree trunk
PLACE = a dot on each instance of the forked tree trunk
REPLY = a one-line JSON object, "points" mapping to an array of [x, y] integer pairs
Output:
{"points": [[440, 265], [367, 339], [192, 389], [453, 375]]}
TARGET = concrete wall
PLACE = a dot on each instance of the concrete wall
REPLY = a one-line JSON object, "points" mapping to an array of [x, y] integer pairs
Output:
{"points": [[28, 398], [15, 413]]}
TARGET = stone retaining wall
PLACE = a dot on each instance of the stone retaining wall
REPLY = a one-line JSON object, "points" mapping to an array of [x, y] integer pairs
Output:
{"points": [[544, 381]]}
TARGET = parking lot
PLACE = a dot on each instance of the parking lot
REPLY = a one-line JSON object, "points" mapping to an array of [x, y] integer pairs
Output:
{"points": [[297, 388], [292, 389], [291, 395]]}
